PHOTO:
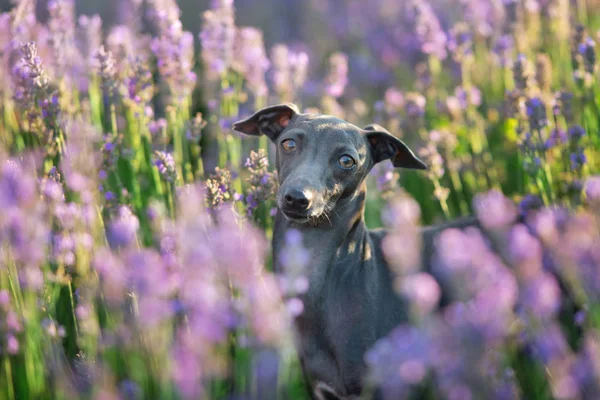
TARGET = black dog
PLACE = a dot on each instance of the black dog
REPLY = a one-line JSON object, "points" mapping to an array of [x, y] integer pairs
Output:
{"points": [[322, 163]]}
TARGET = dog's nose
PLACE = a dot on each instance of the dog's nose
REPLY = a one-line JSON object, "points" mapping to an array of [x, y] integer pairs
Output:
{"points": [[298, 199]]}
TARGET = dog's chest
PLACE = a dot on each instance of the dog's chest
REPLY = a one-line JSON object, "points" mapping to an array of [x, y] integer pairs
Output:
{"points": [[337, 325]]}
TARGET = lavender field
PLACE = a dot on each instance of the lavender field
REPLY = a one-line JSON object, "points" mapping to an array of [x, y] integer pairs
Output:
{"points": [[135, 224]]}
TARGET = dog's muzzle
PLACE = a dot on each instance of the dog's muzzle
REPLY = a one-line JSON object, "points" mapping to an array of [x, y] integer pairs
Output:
{"points": [[298, 205]]}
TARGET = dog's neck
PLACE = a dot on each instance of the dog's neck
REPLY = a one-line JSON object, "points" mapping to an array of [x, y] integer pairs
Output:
{"points": [[342, 233]]}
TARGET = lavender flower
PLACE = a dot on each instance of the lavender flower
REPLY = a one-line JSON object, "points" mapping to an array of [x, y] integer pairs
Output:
{"points": [[522, 73], [540, 297], [122, 230], [138, 88], [263, 184], [217, 38], [166, 166], [281, 71], [23, 227], [250, 59], [427, 28], [174, 52], [414, 105], [502, 51], [577, 155], [536, 113], [550, 347], [583, 56], [422, 292], [218, 188], [592, 190], [494, 211], [586, 369], [158, 132], [10, 326], [337, 77], [33, 88], [61, 24], [289, 70], [107, 70], [460, 42], [485, 17], [436, 170], [294, 279], [194, 128], [466, 257], [402, 246], [543, 72], [161, 15], [88, 39], [407, 350], [386, 179], [563, 104]]}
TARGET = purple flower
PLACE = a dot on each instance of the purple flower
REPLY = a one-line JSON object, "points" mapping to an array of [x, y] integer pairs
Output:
{"points": [[263, 184], [218, 189], [16, 186], [528, 204], [503, 49], [422, 292], [250, 59], [122, 230], [427, 28], [494, 211], [337, 76], [400, 361], [525, 252], [294, 260], [89, 36], [32, 88], [402, 246], [587, 368], [578, 159], [288, 72], [551, 348], [557, 137], [138, 86], [522, 73], [166, 165], [10, 325], [576, 132], [540, 296], [386, 178], [592, 190], [195, 127], [434, 161], [217, 38], [107, 69], [174, 52], [460, 42], [536, 113]]}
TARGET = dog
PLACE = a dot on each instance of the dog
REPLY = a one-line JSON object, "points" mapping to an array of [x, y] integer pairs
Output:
{"points": [[322, 164]]}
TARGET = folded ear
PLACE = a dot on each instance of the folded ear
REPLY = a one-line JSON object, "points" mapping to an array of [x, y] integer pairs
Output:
{"points": [[385, 146], [269, 121]]}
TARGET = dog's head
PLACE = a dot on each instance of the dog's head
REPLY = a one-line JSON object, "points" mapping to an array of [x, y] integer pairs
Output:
{"points": [[322, 159]]}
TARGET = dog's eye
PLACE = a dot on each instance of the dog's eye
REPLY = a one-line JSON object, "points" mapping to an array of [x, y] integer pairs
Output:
{"points": [[346, 161], [289, 145]]}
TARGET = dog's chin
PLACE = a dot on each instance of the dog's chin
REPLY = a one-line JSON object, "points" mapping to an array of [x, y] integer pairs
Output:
{"points": [[299, 218]]}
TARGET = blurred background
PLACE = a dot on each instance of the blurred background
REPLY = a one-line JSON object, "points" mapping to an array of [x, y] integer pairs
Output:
{"points": [[128, 200]]}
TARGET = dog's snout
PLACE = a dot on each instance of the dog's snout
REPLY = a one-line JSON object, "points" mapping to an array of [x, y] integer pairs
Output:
{"points": [[298, 199]]}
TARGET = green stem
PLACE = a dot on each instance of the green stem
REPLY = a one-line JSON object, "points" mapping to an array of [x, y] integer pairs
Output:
{"points": [[10, 393]]}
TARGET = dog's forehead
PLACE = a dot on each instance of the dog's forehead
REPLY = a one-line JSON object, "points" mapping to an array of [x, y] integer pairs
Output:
{"points": [[329, 126]]}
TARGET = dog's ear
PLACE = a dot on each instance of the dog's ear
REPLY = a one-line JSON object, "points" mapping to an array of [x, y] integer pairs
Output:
{"points": [[385, 146], [269, 121]]}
